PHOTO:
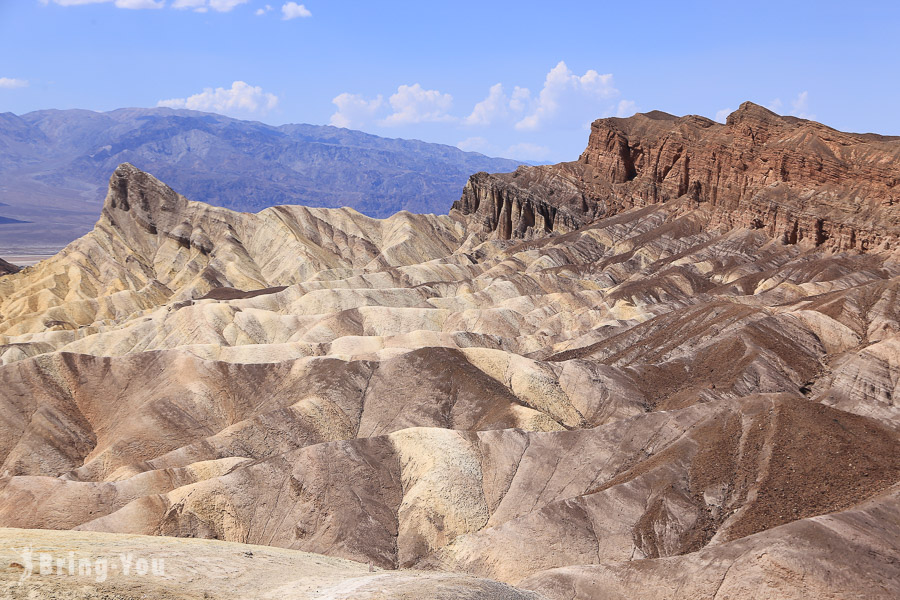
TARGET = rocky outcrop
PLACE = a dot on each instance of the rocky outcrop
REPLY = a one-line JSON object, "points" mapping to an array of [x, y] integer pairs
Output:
{"points": [[798, 181], [648, 396], [7, 268], [528, 203], [811, 558], [152, 244]]}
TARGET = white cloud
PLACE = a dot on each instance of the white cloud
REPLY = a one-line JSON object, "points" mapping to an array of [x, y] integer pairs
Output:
{"points": [[75, 2], [225, 5], [140, 4], [800, 106], [261, 11], [498, 106], [527, 151], [133, 4], [722, 115], [204, 5], [10, 83], [292, 10], [195, 4], [559, 86], [475, 144], [520, 99], [241, 98], [626, 108], [353, 110], [494, 106], [567, 102], [413, 104]]}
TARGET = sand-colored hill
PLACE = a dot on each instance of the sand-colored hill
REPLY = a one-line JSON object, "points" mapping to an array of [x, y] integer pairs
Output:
{"points": [[660, 402], [128, 567]]}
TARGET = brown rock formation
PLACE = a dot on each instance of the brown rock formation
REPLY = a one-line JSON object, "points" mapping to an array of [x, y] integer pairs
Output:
{"points": [[643, 397], [7, 268], [796, 180]]}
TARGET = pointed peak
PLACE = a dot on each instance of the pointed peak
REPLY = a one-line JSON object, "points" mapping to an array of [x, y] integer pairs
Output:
{"points": [[130, 188], [7, 268], [136, 197], [658, 115], [749, 111]]}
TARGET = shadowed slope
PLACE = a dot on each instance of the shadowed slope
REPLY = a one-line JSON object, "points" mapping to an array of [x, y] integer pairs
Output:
{"points": [[653, 391]]}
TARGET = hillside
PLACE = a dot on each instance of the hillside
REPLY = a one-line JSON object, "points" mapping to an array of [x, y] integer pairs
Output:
{"points": [[593, 379], [54, 166]]}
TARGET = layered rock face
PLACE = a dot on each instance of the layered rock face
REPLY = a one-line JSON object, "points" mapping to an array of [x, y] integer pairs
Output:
{"points": [[796, 180], [657, 403], [7, 268]]}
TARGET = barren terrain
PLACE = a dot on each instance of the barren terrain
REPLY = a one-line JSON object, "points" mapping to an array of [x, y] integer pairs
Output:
{"points": [[586, 381]]}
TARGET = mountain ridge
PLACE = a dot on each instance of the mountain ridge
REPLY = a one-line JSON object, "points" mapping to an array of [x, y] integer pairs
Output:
{"points": [[796, 179], [54, 165], [655, 397]]}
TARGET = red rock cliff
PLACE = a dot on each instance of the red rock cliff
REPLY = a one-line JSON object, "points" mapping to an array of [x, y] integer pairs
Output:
{"points": [[800, 181]]}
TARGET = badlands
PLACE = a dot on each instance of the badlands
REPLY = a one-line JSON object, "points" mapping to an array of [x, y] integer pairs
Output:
{"points": [[669, 369]]}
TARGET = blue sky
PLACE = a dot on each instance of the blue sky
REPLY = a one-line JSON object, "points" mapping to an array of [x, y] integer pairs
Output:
{"points": [[520, 79]]}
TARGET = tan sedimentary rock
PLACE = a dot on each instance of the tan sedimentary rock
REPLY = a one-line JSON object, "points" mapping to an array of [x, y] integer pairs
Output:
{"points": [[821, 557], [124, 566], [655, 396]]}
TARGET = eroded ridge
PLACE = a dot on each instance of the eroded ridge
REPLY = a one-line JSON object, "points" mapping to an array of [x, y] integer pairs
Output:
{"points": [[658, 395]]}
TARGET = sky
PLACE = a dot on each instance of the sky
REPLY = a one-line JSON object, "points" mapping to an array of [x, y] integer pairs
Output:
{"points": [[517, 79]]}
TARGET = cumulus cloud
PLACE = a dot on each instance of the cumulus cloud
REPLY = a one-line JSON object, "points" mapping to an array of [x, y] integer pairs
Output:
{"points": [[414, 104], [498, 106], [261, 11], [132, 4], [485, 111], [140, 4], [722, 115], [520, 99], [626, 108], [241, 98], [559, 86], [74, 2], [495, 105], [775, 105], [800, 106], [353, 110], [195, 5], [10, 83], [568, 102], [292, 10], [565, 98], [205, 5], [410, 104], [225, 5]]}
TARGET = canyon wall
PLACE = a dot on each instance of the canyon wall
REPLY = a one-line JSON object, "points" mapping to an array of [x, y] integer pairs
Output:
{"points": [[798, 181]]}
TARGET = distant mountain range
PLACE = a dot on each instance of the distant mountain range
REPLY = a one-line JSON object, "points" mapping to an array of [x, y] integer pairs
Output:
{"points": [[55, 165]]}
